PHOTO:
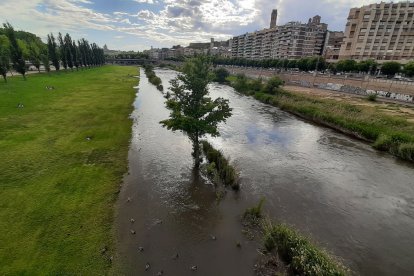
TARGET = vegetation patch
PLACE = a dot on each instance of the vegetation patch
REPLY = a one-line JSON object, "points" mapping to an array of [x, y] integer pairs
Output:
{"points": [[64, 154], [303, 257], [219, 166], [388, 133], [286, 251], [152, 77]]}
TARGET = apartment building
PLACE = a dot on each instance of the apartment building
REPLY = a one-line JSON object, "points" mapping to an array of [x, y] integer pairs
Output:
{"points": [[292, 40], [333, 43], [381, 31]]}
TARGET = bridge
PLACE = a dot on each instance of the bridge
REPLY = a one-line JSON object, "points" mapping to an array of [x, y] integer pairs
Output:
{"points": [[131, 61]]}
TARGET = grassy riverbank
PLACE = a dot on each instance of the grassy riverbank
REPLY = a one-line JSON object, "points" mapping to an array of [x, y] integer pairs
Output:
{"points": [[394, 134], [63, 157]]}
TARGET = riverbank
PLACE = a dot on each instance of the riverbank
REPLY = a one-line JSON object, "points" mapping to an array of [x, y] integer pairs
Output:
{"points": [[394, 134], [63, 157]]}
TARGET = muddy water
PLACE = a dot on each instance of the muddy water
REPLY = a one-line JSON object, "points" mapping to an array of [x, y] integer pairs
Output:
{"points": [[354, 201]]}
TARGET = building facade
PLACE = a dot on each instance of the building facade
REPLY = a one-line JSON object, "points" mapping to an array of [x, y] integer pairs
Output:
{"points": [[290, 41], [381, 31], [332, 47]]}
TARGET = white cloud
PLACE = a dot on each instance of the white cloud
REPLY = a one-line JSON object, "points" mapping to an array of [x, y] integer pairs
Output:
{"points": [[174, 21]]}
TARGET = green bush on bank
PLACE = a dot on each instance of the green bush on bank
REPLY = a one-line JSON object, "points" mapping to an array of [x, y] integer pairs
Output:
{"points": [[388, 133], [226, 172], [152, 77], [296, 250]]}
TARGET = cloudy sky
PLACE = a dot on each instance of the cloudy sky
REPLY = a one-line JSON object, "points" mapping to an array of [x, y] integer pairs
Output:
{"points": [[140, 24]]}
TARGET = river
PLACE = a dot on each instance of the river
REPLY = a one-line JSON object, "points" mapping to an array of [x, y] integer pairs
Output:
{"points": [[356, 202]]}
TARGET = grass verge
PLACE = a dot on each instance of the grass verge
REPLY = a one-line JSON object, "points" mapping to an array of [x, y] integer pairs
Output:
{"points": [[63, 156], [388, 133]]}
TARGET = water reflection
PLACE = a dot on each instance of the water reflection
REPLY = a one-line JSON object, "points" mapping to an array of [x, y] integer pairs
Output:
{"points": [[351, 199]]}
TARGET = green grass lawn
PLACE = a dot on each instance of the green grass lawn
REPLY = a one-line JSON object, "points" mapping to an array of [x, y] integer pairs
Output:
{"points": [[57, 189]]}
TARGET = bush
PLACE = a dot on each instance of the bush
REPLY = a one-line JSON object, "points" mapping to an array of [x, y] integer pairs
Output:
{"points": [[254, 212], [152, 77], [226, 171], [406, 151], [220, 75], [372, 97], [303, 257], [272, 85], [241, 83]]}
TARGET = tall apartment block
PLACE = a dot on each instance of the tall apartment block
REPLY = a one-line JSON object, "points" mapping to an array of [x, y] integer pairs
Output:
{"points": [[290, 41], [382, 31], [295, 39], [273, 19], [333, 43]]}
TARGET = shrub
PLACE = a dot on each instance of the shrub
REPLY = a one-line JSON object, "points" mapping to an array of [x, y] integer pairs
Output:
{"points": [[226, 171], [372, 97], [406, 151], [220, 75], [303, 256], [272, 85], [254, 212]]}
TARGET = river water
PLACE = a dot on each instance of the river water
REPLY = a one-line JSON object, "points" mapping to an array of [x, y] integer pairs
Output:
{"points": [[354, 201]]}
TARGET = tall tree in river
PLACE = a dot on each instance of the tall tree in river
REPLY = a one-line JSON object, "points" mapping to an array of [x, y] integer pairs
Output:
{"points": [[16, 52], [4, 56], [62, 51], [52, 50], [192, 110]]}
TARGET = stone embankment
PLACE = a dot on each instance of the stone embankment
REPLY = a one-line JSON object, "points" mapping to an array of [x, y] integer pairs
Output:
{"points": [[359, 91]]}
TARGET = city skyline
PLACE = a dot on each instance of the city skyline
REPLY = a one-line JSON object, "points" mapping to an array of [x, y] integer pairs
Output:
{"points": [[140, 24]]}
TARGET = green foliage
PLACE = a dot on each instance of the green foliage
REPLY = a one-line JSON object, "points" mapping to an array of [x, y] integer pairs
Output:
{"points": [[272, 85], [367, 66], [4, 56], [409, 69], [152, 77], [58, 190], [226, 171], [372, 97], [347, 65], [240, 83], [302, 255], [53, 52], [390, 68], [192, 110], [16, 52], [221, 75], [255, 212]]}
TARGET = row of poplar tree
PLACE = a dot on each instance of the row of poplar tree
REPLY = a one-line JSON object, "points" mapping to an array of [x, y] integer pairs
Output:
{"points": [[61, 52]]}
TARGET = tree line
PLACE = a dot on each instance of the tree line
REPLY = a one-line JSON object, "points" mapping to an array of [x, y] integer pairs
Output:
{"points": [[369, 66], [18, 47]]}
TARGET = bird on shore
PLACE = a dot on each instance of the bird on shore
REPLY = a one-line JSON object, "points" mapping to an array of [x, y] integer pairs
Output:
{"points": [[194, 268], [147, 266], [132, 220], [160, 273], [132, 232], [141, 249]]}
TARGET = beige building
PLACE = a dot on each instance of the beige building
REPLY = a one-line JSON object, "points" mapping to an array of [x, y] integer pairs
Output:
{"points": [[382, 31], [332, 47], [291, 41]]}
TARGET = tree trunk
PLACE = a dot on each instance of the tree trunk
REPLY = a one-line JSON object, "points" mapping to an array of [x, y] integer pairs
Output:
{"points": [[5, 78], [196, 153], [24, 76]]}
